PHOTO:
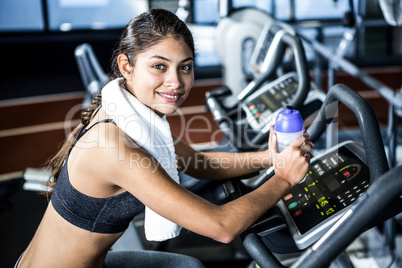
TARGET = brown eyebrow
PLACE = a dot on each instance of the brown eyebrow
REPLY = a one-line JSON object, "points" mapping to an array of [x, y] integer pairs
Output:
{"points": [[166, 59]]}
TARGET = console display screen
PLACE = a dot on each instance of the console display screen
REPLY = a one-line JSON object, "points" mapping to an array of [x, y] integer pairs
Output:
{"points": [[260, 54], [331, 184], [267, 100]]}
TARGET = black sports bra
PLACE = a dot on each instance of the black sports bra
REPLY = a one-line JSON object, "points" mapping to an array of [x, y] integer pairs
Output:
{"points": [[100, 215]]}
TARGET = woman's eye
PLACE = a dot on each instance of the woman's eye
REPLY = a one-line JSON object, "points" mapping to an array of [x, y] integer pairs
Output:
{"points": [[186, 68], [159, 66]]}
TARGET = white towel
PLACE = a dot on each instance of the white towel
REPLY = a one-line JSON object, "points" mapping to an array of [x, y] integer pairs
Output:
{"points": [[152, 133]]}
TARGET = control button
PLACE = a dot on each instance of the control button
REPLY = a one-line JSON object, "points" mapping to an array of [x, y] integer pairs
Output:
{"points": [[287, 197], [346, 202], [318, 169], [292, 205], [297, 213], [278, 96], [358, 191], [256, 115], [254, 111], [340, 198], [251, 107], [333, 161]]}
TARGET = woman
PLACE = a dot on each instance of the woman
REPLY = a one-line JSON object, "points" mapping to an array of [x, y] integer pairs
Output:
{"points": [[122, 160]]}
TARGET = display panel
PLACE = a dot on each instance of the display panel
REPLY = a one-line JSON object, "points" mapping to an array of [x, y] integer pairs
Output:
{"points": [[265, 48], [332, 183], [262, 105]]}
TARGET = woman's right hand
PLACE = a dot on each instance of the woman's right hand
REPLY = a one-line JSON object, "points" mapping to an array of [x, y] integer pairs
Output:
{"points": [[292, 163]]}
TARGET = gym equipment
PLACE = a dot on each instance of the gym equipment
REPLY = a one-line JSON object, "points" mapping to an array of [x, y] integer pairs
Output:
{"points": [[235, 38], [392, 13], [343, 187], [381, 201], [245, 121], [92, 75], [267, 47], [392, 10]]}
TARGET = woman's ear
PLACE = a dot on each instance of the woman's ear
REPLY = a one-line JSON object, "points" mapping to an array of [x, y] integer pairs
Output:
{"points": [[124, 66]]}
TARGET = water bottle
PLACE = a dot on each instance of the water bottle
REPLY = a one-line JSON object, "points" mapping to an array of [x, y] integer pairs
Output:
{"points": [[289, 126]]}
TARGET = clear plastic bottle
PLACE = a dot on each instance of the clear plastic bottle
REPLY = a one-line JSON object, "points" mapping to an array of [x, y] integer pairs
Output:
{"points": [[289, 126]]}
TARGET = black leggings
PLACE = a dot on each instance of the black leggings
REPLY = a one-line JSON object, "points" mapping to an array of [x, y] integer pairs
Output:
{"points": [[147, 258]]}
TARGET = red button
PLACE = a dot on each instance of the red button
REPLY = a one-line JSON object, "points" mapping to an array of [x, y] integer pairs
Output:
{"points": [[297, 213]]}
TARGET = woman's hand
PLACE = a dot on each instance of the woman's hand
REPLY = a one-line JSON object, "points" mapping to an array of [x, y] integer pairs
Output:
{"points": [[292, 163]]}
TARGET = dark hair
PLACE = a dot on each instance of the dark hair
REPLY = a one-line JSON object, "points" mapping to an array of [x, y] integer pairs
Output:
{"points": [[146, 30], [140, 34]]}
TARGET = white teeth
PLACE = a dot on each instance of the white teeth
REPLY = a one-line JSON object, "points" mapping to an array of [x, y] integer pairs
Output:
{"points": [[169, 96]]}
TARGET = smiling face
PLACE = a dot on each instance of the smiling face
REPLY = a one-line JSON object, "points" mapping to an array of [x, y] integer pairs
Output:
{"points": [[162, 76]]}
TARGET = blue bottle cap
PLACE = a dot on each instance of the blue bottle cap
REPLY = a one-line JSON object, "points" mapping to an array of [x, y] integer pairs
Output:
{"points": [[288, 121]]}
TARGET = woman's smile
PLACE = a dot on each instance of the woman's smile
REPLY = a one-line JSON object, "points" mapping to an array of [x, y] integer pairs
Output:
{"points": [[170, 97]]}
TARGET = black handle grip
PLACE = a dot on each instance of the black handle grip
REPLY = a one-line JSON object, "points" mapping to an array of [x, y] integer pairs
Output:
{"points": [[367, 119], [379, 197]]}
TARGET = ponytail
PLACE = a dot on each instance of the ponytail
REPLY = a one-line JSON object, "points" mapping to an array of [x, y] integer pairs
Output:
{"points": [[56, 163]]}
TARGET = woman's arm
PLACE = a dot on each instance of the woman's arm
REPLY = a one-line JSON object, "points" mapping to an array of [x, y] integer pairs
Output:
{"points": [[152, 186], [224, 165], [219, 165]]}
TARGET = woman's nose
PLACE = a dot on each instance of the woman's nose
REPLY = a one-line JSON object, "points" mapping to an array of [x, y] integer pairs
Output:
{"points": [[173, 80]]}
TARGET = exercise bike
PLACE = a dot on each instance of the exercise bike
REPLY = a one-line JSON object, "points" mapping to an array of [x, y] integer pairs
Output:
{"points": [[345, 193], [245, 121]]}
